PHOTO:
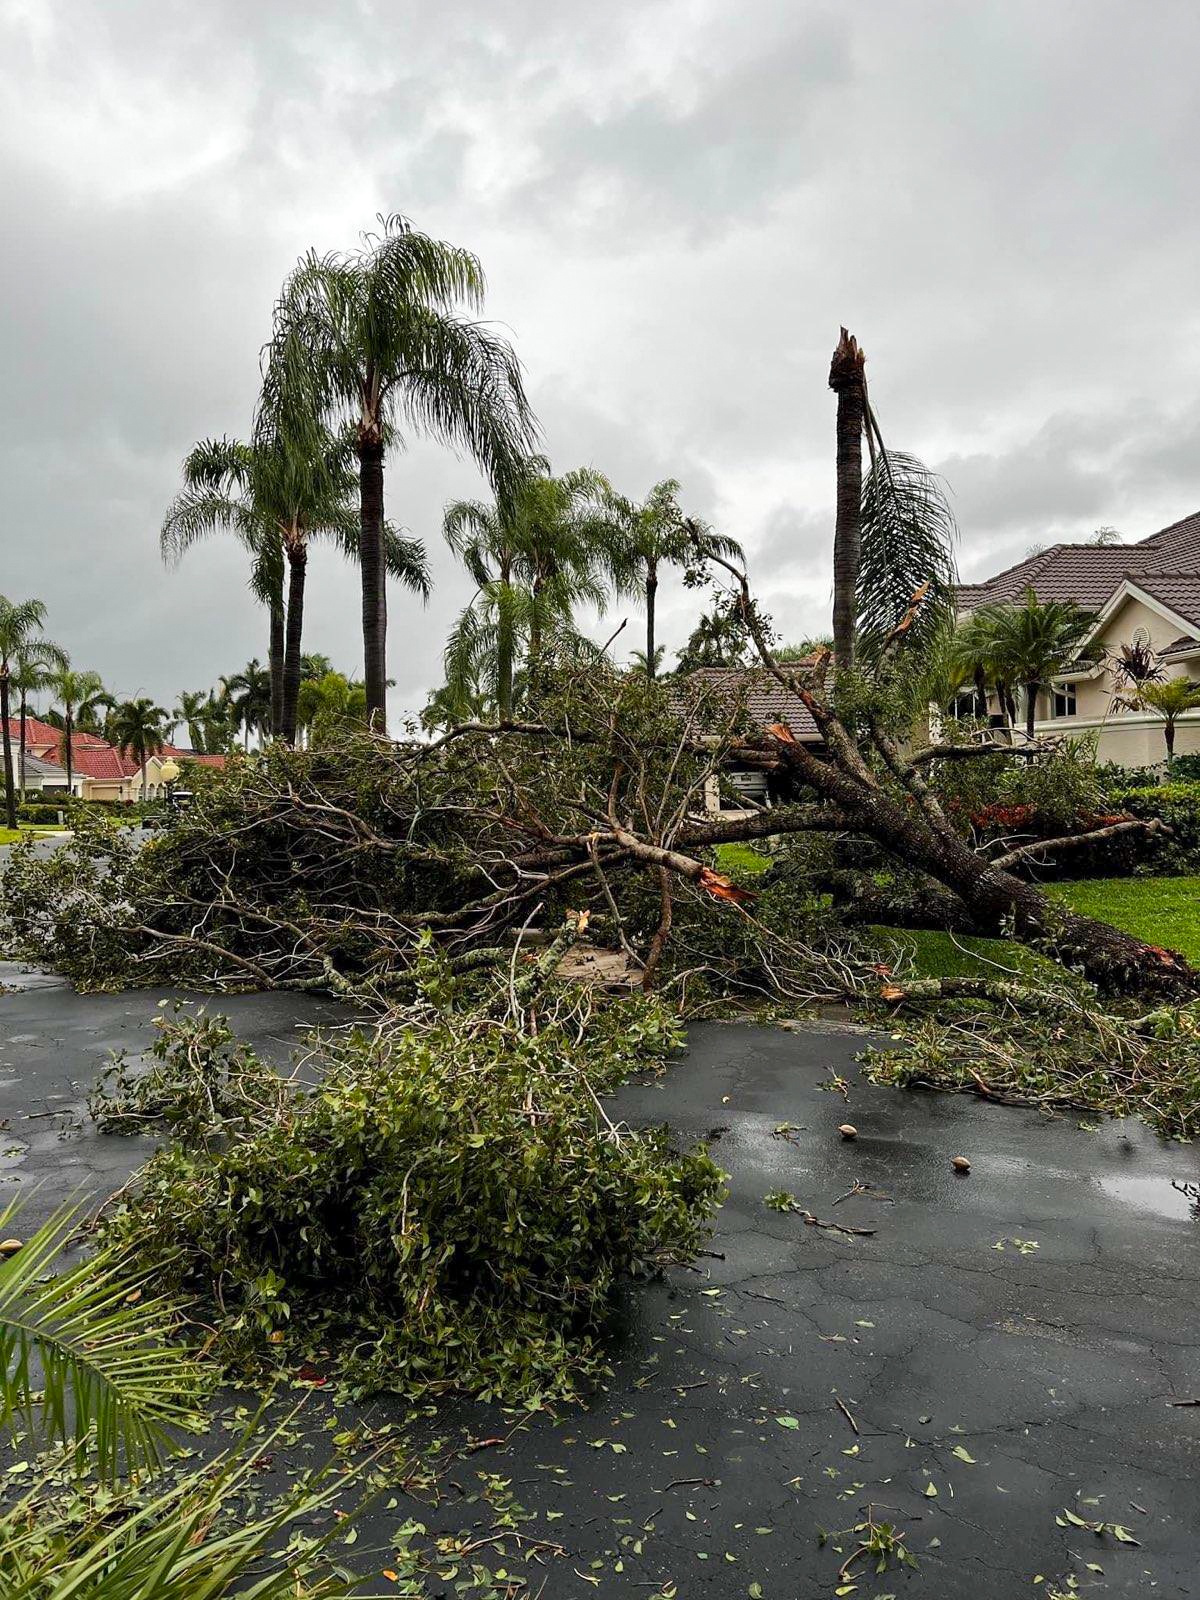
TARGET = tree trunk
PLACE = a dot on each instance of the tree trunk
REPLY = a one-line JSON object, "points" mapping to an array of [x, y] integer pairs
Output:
{"points": [[1031, 698], [1169, 738], [846, 378], [998, 901], [10, 797], [374, 591], [21, 750], [275, 666], [68, 744], [297, 556], [505, 647], [651, 596], [981, 705]]}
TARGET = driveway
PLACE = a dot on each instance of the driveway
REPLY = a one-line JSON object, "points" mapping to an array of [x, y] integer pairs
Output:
{"points": [[998, 1356]]}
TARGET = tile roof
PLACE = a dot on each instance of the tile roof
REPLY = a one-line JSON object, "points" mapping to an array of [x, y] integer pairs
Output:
{"points": [[41, 768], [1089, 574], [727, 691], [1181, 646]]}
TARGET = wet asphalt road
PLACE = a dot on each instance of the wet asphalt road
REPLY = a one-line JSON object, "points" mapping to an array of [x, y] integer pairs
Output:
{"points": [[718, 1450]]}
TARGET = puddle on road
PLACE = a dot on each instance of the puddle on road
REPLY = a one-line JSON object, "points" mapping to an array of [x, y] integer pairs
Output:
{"points": [[1155, 1195]]}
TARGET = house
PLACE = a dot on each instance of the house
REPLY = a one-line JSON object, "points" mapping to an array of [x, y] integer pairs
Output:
{"points": [[99, 771], [715, 701], [1145, 594]]}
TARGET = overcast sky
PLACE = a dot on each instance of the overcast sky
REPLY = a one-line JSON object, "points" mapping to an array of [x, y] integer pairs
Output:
{"points": [[676, 203]]}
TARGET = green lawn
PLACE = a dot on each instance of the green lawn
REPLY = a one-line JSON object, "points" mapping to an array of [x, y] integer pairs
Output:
{"points": [[10, 835], [1163, 911]]}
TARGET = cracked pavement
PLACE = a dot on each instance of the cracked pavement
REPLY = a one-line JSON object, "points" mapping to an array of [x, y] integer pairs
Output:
{"points": [[718, 1451]]}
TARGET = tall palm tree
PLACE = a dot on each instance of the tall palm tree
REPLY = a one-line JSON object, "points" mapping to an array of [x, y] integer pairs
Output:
{"points": [[190, 709], [719, 639], [378, 339], [535, 554], [277, 495], [1168, 700], [1032, 643], [657, 534], [31, 672], [247, 694], [80, 694], [20, 622], [138, 728]]}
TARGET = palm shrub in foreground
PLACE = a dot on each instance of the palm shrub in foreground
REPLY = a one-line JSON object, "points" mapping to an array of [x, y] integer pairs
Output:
{"points": [[87, 1375], [450, 1208]]}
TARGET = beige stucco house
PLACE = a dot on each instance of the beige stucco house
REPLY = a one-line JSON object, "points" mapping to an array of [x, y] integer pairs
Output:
{"points": [[1146, 593]]}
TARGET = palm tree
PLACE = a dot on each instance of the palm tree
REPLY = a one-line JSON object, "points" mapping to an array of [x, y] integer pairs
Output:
{"points": [[31, 672], [81, 695], [535, 555], [138, 729], [331, 702], [648, 666], [378, 339], [247, 694], [656, 534], [1169, 700], [190, 709], [719, 639], [277, 495], [1032, 643], [20, 622]]}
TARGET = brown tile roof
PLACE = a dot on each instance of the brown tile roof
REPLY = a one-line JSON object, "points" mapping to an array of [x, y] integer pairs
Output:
{"points": [[1179, 590], [1181, 646], [1090, 574], [714, 693]]}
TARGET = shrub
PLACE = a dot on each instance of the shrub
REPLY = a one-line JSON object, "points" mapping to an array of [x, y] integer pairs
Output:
{"points": [[43, 814], [450, 1208]]}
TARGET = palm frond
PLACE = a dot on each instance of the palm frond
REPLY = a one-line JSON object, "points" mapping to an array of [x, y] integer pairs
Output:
{"points": [[111, 1386], [908, 534]]}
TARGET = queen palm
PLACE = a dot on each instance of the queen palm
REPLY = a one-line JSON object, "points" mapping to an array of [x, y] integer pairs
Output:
{"points": [[81, 694], [535, 555], [277, 495], [32, 672], [378, 339], [138, 729], [1032, 643], [20, 623], [657, 534]]}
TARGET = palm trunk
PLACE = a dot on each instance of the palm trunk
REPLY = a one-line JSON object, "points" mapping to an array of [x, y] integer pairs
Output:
{"points": [[846, 379], [981, 709], [69, 754], [10, 797], [297, 571], [1169, 738], [505, 649], [535, 630], [275, 652], [651, 595], [1031, 695], [374, 591], [21, 751]]}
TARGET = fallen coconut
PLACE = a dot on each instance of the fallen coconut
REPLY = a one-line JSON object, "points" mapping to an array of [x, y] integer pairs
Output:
{"points": [[961, 1164], [9, 1247], [848, 1131]]}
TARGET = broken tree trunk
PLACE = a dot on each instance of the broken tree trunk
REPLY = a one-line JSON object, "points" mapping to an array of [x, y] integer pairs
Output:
{"points": [[846, 379]]}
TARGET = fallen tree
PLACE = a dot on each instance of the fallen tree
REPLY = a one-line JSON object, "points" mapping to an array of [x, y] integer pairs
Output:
{"points": [[324, 869]]}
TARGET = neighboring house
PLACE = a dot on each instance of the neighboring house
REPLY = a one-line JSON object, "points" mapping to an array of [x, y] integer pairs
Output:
{"points": [[718, 700], [98, 769], [1146, 593]]}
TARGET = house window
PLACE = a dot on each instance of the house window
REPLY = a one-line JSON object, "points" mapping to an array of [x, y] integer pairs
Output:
{"points": [[1062, 700]]}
